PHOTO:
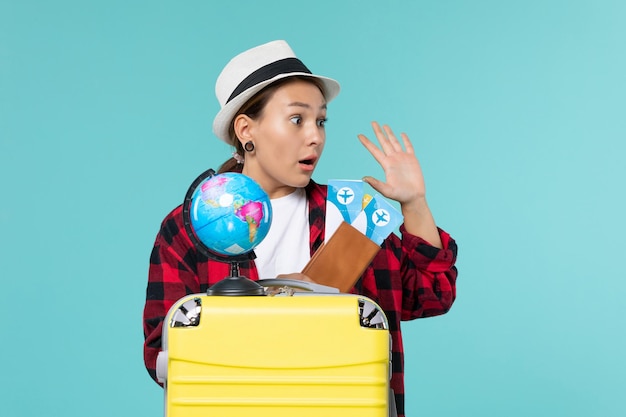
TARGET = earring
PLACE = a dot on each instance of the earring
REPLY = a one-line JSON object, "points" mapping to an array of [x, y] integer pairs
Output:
{"points": [[248, 146]]}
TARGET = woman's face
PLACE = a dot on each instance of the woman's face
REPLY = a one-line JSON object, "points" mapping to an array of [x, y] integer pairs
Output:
{"points": [[288, 138]]}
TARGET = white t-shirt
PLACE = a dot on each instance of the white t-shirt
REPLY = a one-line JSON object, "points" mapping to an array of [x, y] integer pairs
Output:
{"points": [[285, 249]]}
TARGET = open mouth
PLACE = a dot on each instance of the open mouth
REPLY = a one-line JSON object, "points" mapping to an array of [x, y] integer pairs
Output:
{"points": [[307, 164]]}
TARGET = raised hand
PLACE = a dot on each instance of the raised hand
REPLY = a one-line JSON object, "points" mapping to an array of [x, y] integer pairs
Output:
{"points": [[404, 181]]}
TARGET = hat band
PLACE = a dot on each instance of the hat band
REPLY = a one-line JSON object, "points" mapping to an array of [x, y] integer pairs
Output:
{"points": [[269, 71]]}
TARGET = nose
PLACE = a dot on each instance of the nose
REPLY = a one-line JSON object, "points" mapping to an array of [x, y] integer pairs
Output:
{"points": [[316, 135]]}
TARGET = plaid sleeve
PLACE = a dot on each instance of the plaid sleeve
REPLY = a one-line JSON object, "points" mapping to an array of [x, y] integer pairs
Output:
{"points": [[172, 275], [428, 276], [409, 279]]}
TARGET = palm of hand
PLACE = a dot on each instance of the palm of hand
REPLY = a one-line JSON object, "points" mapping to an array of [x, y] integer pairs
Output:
{"points": [[404, 181]]}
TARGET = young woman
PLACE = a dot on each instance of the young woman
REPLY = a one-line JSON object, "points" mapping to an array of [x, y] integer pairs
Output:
{"points": [[273, 111]]}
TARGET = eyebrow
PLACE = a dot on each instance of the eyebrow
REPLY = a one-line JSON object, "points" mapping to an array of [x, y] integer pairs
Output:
{"points": [[305, 105]]}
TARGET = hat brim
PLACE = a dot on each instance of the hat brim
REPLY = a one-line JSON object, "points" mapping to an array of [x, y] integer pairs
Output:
{"points": [[223, 119]]}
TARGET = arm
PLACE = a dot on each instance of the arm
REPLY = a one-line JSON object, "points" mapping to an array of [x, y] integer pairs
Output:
{"points": [[426, 254], [171, 276], [428, 275]]}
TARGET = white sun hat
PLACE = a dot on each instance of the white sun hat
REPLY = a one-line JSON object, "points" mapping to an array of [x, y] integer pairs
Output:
{"points": [[251, 71]]}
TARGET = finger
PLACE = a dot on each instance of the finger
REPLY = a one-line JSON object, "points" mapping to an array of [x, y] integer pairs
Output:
{"points": [[395, 143], [384, 141], [378, 185], [373, 149], [408, 146]]}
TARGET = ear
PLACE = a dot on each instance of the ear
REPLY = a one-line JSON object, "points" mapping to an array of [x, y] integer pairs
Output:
{"points": [[243, 126]]}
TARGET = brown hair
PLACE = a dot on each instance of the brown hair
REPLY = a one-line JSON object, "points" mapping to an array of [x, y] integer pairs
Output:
{"points": [[253, 108]]}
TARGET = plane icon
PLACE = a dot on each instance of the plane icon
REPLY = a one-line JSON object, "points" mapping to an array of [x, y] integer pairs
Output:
{"points": [[345, 196], [381, 217]]}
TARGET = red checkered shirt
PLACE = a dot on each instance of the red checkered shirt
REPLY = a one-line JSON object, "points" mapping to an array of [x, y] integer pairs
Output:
{"points": [[408, 278]]}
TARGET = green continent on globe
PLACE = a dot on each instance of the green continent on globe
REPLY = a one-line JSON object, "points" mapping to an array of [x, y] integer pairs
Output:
{"points": [[252, 213]]}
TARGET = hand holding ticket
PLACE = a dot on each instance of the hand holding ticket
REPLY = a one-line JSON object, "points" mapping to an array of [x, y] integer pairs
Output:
{"points": [[373, 216]]}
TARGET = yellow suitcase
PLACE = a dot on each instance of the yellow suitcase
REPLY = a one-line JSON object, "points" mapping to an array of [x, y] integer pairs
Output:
{"points": [[292, 354]]}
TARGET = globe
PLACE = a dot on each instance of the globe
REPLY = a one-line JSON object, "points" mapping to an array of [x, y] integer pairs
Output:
{"points": [[230, 213]]}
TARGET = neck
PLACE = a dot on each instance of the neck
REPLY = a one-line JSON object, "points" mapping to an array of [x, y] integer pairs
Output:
{"points": [[272, 188]]}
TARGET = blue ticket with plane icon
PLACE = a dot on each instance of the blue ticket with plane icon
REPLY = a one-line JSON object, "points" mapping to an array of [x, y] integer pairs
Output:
{"points": [[344, 202], [378, 219]]}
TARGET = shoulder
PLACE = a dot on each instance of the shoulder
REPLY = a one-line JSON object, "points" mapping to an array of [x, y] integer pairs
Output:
{"points": [[176, 216], [172, 226]]}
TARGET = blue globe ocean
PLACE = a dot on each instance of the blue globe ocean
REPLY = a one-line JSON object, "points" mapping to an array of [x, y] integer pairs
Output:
{"points": [[230, 213]]}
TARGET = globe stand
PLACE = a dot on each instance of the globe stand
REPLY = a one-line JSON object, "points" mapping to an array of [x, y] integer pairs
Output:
{"points": [[234, 284]]}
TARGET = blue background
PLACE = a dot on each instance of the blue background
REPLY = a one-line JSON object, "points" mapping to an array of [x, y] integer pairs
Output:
{"points": [[516, 110]]}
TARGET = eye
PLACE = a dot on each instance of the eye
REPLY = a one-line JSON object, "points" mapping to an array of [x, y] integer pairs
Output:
{"points": [[322, 122], [296, 120]]}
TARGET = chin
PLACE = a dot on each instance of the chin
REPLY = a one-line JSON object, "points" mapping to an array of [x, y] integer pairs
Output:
{"points": [[301, 184], [301, 181]]}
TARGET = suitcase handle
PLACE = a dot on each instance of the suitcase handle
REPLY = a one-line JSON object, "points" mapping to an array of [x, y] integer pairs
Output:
{"points": [[296, 284], [291, 283]]}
